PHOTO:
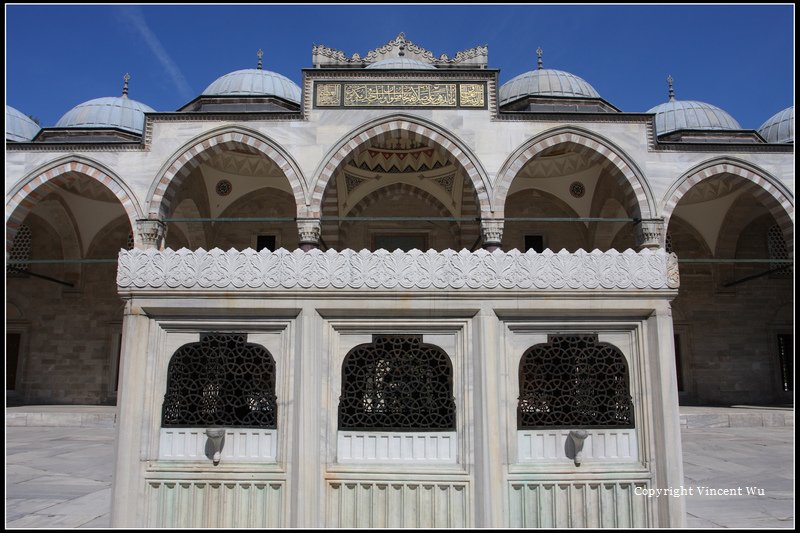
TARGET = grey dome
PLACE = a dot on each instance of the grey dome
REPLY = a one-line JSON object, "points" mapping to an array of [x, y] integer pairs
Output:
{"points": [[254, 82], [401, 63], [779, 128], [546, 82], [690, 115], [19, 127], [108, 112]]}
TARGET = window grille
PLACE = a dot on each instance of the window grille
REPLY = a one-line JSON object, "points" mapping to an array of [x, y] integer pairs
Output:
{"points": [[20, 251], [221, 381], [776, 246], [397, 383], [574, 381]]}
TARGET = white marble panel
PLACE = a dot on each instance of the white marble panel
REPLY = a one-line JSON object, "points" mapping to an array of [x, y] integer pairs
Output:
{"points": [[397, 447], [245, 444], [602, 445]]}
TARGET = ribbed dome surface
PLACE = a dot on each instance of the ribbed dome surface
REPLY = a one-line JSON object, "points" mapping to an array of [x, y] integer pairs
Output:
{"points": [[779, 128], [108, 112], [19, 127], [401, 63], [690, 115], [254, 82], [546, 82]]}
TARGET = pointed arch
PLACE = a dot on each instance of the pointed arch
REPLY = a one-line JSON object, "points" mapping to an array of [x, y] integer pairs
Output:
{"points": [[769, 191], [639, 200], [192, 154], [416, 128], [35, 186]]}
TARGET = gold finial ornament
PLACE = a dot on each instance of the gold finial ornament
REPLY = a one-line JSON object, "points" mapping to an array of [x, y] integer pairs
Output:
{"points": [[125, 79], [539, 57], [260, 54]]}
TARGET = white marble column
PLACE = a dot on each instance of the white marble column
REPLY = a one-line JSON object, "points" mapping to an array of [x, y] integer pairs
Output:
{"points": [[671, 511], [127, 505]]}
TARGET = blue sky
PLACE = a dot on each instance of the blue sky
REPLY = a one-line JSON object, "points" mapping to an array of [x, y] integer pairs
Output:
{"points": [[737, 57]]}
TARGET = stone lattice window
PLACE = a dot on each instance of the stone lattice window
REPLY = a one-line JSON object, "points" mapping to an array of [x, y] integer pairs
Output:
{"points": [[129, 243], [574, 381], [397, 383], [20, 251], [776, 246], [668, 243], [221, 381]]}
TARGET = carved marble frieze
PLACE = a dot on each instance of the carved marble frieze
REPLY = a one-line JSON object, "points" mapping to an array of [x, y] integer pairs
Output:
{"points": [[398, 270]]}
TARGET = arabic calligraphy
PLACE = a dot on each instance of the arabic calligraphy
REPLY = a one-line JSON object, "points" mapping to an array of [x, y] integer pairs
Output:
{"points": [[329, 94], [472, 95], [400, 94]]}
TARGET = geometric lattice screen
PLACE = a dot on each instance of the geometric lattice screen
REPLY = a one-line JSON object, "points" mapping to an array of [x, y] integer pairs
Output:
{"points": [[20, 251], [221, 381], [776, 246], [574, 381], [397, 383]]}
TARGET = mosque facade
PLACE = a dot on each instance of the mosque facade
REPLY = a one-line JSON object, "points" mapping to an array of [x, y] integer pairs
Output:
{"points": [[399, 295]]}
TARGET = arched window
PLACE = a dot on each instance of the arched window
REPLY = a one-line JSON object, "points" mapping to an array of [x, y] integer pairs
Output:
{"points": [[397, 383], [221, 381], [574, 381]]}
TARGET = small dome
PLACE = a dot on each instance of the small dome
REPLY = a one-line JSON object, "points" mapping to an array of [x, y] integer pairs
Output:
{"points": [[254, 82], [402, 63], [780, 127], [690, 115], [108, 112], [19, 127], [546, 82]]}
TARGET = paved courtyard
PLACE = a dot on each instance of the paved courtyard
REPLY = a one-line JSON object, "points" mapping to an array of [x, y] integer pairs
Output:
{"points": [[60, 477]]}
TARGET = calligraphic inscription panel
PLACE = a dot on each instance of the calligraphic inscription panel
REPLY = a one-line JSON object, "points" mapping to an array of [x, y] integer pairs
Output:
{"points": [[400, 94], [472, 94], [329, 95]]}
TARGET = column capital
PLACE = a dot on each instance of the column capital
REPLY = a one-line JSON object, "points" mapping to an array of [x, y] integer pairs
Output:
{"points": [[492, 233], [650, 234], [309, 230], [151, 233]]}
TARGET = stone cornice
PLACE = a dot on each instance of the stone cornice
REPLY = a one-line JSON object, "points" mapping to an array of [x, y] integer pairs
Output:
{"points": [[216, 269]]}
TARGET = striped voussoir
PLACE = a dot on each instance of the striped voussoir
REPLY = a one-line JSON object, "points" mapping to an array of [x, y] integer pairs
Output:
{"points": [[636, 201], [388, 131], [765, 193], [164, 194], [42, 184]]}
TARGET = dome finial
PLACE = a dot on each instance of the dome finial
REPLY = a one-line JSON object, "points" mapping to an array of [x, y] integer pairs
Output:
{"points": [[125, 79], [671, 90], [260, 54], [539, 58]]}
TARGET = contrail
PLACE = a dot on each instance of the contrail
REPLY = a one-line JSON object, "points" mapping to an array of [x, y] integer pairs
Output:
{"points": [[137, 19]]}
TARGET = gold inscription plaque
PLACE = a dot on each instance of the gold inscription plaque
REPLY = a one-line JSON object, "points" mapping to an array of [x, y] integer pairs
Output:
{"points": [[329, 94], [400, 94], [472, 95]]}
